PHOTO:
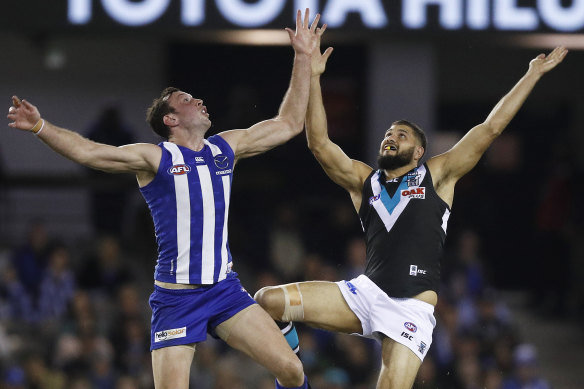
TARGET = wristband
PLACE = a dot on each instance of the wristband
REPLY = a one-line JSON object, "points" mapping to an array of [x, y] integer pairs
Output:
{"points": [[38, 127]]}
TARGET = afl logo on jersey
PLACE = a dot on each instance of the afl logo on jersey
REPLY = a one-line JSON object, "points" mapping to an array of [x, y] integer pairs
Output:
{"points": [[374, 198], [179, 170], [410, 326], [221, 161]]}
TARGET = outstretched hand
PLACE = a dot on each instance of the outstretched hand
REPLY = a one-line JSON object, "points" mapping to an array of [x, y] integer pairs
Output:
{"points": [[543, 64], [318, 60], [23, 114], [304, 39]]}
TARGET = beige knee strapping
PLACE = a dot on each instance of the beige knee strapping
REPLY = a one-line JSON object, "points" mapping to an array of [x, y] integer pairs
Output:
{"points": [[293, 308]]}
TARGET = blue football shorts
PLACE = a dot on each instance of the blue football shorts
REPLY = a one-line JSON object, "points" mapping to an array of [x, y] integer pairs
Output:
{"points": [[185, 316]]}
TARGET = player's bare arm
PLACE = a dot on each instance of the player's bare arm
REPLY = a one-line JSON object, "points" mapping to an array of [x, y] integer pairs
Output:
{"points": [[268, 134], [140, 159], [447, 168], [344, 171]]}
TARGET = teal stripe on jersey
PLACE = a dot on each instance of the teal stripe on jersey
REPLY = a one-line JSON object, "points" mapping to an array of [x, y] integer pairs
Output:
{"points": [[391, 202]]}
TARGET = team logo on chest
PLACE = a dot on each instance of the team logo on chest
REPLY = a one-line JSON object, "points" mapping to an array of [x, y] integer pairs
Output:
{"points": [[414, 191], [179, 170], [413, 178], [221, 161]]}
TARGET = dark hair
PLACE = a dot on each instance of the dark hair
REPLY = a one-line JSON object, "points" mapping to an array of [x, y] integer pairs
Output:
{"points": [[156, 112], [417, 130]]}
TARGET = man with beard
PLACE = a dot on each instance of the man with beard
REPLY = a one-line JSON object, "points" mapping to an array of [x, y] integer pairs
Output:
{"points": [[404, 208]]}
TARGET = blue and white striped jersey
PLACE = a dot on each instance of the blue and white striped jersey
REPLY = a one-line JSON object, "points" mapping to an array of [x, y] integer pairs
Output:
{"points": [[189, 203]]}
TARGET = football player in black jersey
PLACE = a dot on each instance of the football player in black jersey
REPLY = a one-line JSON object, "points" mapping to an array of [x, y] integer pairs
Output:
{"points": [[404, 208]]}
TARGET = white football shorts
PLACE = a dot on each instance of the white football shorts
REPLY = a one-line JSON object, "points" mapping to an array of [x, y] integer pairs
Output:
{"points": [[406, 320]]}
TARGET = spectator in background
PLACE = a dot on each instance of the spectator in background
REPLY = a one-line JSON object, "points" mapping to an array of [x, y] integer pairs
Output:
{"points": [[285, 242], [30, 260], [17, 305], [41, 376], [108, 202], [105, 270], [355, 258], [4, 206], [427, 377], [58, 285], [554, 225], [468, 372], [526, 372], [126, 382], [469, 262], [14, 377], [492, 377]]}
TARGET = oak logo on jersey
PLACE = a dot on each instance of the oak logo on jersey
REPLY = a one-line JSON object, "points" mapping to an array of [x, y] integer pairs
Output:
{"points": [[414, 193], [179, 170], [170, 334]]}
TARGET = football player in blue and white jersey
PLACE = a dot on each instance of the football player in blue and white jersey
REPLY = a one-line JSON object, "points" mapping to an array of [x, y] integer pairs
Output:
{"points": [[186, 182]]}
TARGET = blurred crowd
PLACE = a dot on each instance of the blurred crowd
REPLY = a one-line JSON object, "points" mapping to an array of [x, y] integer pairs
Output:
{"points": [[76, 315]]}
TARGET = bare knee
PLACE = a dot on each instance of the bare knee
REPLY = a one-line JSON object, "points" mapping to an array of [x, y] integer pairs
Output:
{"points": [[271, 299], [171, 367], [290, 372]]}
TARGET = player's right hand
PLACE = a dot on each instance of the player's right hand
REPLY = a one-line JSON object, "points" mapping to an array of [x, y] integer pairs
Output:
{"points": [[304, 39], [23, 115]]}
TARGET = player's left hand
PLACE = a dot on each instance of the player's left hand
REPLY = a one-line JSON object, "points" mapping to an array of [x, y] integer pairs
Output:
{"points": [[318, 59], [304, 39], [543, 64]]}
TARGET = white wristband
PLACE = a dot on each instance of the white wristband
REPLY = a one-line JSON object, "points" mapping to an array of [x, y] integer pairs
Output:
{"points": [[37, 132]]}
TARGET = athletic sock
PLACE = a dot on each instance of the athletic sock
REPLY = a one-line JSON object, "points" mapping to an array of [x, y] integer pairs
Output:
{"points": [[303, 386], [289, 332]]}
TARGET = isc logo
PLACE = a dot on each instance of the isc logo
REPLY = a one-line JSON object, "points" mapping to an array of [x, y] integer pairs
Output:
{"points": [[179, 170], [407, 336]]}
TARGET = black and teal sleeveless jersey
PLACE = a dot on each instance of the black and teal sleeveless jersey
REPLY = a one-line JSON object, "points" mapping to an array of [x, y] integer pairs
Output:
{"points": [[405, 228]]}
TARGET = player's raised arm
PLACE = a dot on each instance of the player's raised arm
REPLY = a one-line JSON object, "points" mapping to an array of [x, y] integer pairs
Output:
{"points": [[133, 158], [346, 172], [447, 168], [289, 122]]}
